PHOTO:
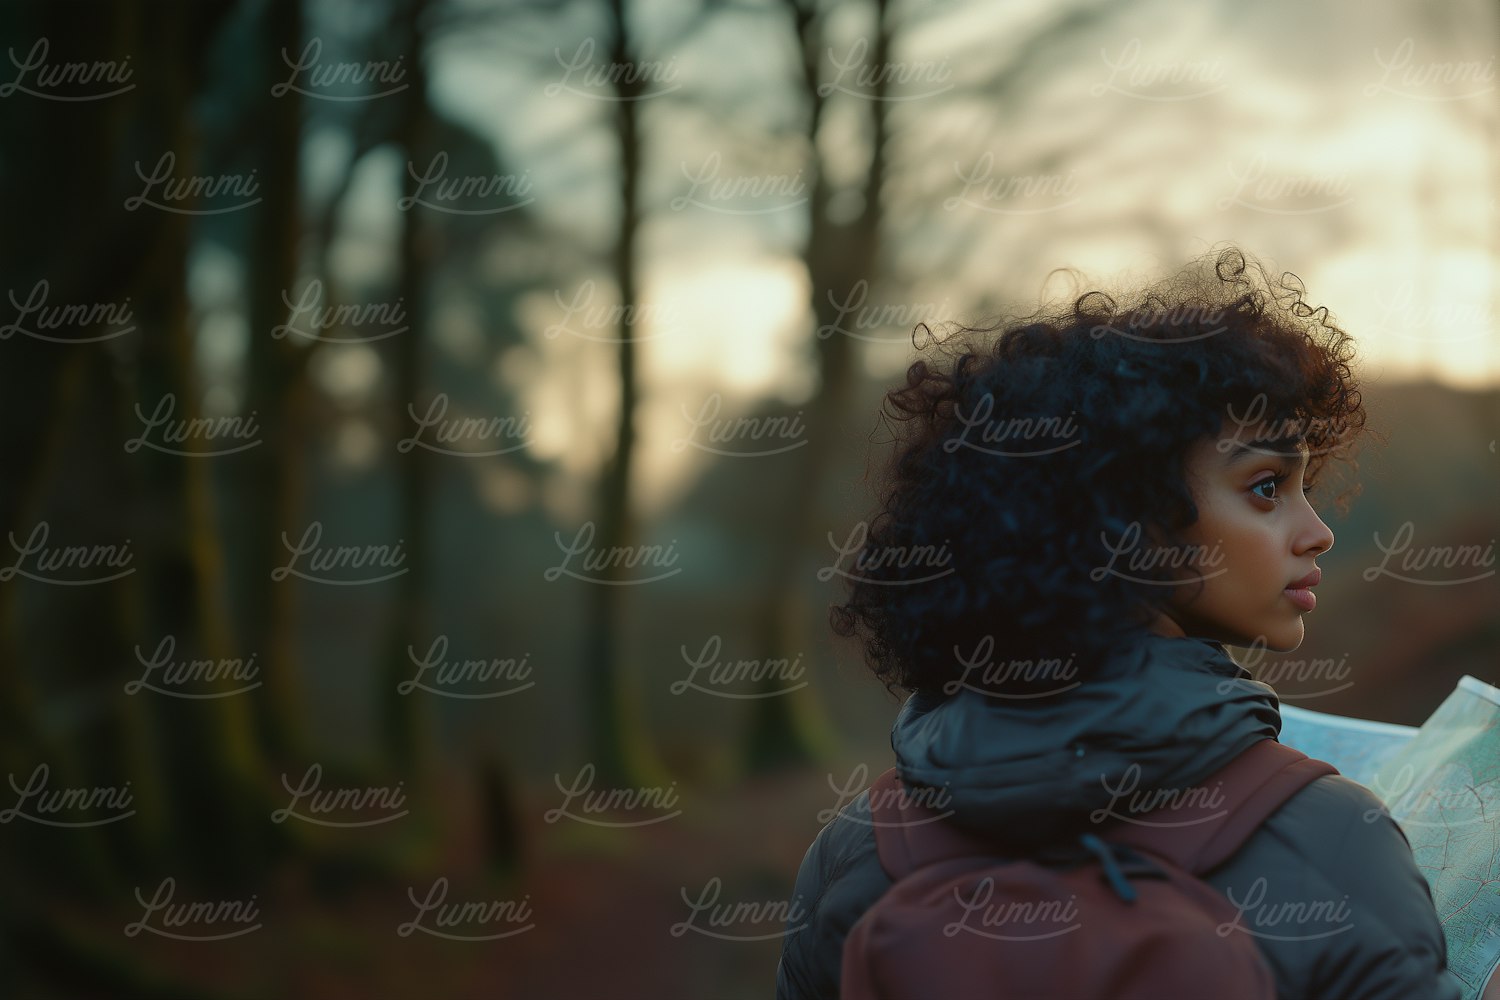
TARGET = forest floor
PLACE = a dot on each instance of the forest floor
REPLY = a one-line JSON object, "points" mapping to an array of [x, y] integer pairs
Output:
{"points": [[691, 904]]}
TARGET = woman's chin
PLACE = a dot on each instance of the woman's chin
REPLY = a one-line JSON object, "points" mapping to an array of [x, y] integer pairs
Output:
{"points": [[1277, 640], [1286, 640]]}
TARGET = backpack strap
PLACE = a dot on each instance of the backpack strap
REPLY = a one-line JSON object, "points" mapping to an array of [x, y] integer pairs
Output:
{"points": [[910, 834], [1198, 833], [1202, 828]]}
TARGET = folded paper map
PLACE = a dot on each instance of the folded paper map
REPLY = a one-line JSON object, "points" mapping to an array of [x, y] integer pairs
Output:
{"points": [[1441, 783]]}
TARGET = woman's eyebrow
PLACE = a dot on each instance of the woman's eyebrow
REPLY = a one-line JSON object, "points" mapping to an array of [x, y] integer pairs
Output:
{"points": [[1287, 447]]}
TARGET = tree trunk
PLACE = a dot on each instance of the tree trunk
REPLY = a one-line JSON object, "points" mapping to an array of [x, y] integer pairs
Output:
{"points": [[270, 474], [618, 745], [208, 757], [401, 715], [791, 729]]}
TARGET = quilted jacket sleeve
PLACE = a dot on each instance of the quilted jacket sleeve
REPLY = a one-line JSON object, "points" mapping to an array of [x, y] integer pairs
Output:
{"points": [[1331, 892], [839, 879]]}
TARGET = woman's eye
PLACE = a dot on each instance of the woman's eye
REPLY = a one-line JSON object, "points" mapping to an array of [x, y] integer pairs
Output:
{"points": [[1268, 485]]}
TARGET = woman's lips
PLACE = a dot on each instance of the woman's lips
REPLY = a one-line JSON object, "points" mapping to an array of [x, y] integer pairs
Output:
{"points": [[1302, 597]]}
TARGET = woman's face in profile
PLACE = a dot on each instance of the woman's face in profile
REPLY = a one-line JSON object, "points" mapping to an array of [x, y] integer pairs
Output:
{"points": [[1259, 538]]}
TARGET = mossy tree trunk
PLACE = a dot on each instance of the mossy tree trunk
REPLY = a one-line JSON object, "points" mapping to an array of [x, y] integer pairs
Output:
{"points": [[271, 475]]}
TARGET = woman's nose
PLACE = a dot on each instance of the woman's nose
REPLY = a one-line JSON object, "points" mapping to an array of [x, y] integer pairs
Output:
{"points": [[1315, 535]]}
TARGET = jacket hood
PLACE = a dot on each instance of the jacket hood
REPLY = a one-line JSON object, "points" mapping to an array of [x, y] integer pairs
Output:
{"points": [[1159, 714]]}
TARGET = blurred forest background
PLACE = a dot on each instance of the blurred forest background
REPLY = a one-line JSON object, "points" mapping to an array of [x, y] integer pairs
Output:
{"points": [[431, 428]]}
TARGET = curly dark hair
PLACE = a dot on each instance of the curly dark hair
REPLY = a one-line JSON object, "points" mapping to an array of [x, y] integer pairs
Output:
{"points": [[1022, 448]]}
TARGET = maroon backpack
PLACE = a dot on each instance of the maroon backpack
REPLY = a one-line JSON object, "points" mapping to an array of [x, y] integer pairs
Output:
{"points": [[1119, 914]]}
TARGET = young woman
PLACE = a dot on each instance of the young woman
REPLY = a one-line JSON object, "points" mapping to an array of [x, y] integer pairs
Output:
{"points": [[1084, 507]]}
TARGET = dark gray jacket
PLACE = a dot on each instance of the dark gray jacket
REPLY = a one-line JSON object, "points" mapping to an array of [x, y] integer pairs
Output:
{"points": [[1327, 885]]}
